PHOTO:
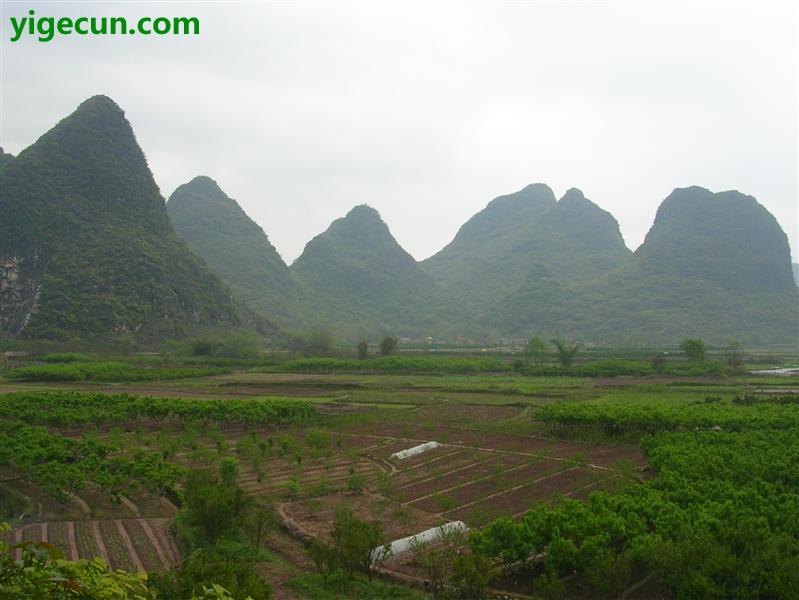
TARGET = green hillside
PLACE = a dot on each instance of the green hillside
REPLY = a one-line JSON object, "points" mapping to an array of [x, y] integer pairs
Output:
{"points": [[713, 265], [87, 249], [507, 245], [217, 229], [360, 281], [5, 158]]}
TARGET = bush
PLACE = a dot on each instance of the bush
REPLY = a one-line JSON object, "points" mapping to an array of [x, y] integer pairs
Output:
{"points": [[108, 371]]}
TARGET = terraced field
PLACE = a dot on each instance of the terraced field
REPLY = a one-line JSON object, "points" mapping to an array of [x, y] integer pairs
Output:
{"points": [[133, 544]]}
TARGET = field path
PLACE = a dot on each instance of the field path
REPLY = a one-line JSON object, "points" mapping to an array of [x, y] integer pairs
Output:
{"points": [[131, 505], [82, 504], [73, 544], [17, 540], [129, 545], [154, 541], [98, 538]]}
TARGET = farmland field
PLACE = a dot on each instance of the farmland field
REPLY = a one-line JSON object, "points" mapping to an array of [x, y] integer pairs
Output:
{"points": [[107, 476]]}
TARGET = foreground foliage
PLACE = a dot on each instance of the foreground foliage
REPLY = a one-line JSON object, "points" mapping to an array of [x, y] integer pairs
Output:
{"points": [[720, 520], [42, 573]]}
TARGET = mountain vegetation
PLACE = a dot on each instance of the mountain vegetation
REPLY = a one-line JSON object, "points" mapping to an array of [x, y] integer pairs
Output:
{"points": [[5, 158], [358, 277], [87, 249], [217, 229]]}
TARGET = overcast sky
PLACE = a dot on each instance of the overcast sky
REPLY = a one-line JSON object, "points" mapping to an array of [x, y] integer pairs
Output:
{"points": [[427, 111]]}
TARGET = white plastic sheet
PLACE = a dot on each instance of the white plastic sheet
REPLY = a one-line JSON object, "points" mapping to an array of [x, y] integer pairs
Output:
{"points": [[407, 453], [430, 535]]}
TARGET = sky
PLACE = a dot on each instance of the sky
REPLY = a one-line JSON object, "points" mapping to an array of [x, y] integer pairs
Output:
{"points": [[428, 110]]}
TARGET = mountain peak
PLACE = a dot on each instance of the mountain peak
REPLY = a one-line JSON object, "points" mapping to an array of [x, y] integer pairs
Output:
{"points": [[363, 212], [572, 194], [727, 238], [81, 205], [99, 101]]}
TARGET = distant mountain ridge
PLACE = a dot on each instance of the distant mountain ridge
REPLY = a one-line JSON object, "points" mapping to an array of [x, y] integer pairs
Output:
{"points": [[217, 229], [520, 234], [359, 278], [87, 248]]}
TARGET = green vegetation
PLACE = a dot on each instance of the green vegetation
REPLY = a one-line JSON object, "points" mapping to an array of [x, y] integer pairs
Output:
{"points": [[216, 228], [693, 348], [398, 364], [85, 230], [61, 465], [70, 408], [356, 277], [107, 371], [458, 365], [637, 417], [43, 574], [717, 521]]}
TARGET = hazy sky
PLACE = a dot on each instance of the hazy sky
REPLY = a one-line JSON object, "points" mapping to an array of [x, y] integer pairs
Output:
{"points": [[427, 111]]}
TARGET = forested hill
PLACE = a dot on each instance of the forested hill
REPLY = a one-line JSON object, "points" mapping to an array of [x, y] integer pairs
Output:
{"points": [[712, 265], [358, 277], [518, 237], [217, 229], [5, 158], [87, 248]]}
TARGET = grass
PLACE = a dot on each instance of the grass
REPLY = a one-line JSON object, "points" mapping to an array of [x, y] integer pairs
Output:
{"points": [[311, 586]]}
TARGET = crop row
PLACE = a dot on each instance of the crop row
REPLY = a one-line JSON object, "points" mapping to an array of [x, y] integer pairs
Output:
{"points": [[64, 408], [107, 371]]}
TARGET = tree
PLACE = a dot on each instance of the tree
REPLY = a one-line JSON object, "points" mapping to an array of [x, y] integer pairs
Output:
{"points": [[735, 356], [535, 350], [658, 362], [566, 350], [257, 520], [360, 545], [470, 575], [212, 507], [324, 557], [694, 349], [202, 574], [388, 345], [363, 349]]}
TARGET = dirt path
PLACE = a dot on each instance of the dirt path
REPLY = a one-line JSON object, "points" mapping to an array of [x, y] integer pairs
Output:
{"points": [[17, 540], [129, 545], [131, 505], [98, 539], [73, 544], [84, 507]]}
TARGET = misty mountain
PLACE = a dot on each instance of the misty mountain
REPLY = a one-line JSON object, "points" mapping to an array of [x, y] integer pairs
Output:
{"points": [[712, 265], [5, 158], [87, 248], [507, 245], [217, 229], [359, 279]]}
